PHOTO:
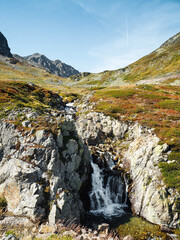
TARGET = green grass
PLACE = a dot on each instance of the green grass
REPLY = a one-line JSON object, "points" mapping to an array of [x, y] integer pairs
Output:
{"points": [[170, 104], [120, 93]]}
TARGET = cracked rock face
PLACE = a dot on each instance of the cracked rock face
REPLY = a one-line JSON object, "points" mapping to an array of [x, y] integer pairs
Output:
{"points": [[139, 151], [41, 173]]}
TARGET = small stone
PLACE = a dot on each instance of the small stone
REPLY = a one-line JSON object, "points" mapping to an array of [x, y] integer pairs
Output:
{"points": [[39, 135], [128, 238], [31, 115], [104, 228], [165, 229], [25, 123], [83, 231], [47, 229], [103, 235], [69, 233]]}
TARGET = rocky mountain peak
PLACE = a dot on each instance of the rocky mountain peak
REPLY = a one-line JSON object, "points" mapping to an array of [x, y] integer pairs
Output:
{"points": [[4, 48], [55, 67]]}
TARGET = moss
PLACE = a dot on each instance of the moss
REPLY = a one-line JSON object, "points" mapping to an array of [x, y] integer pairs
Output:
{"points": [[3, 202], [140, 229], [171, 174], [60, 237], [174, 155]]}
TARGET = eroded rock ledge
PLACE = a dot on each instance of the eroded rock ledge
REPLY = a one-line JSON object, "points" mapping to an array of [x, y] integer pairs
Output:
{"points": [[137, 150]]}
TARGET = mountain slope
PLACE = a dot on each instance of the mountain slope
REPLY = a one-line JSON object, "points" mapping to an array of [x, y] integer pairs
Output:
{"points": [[160, 66], [55, 67]]}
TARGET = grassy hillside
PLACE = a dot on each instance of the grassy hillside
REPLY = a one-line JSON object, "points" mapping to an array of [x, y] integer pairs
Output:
{"points": [[160, 66], [14, 94], [14, 70], [151, 105]]}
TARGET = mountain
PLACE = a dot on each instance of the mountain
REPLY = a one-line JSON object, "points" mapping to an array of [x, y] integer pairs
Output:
{"points": [[55, 67], [160, 66], [4, 48]]}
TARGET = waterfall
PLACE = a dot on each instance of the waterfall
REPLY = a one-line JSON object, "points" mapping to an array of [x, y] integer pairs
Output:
{"points": [[107, 194]]}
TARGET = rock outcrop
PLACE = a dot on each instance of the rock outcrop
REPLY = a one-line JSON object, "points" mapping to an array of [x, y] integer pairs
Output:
{"points": [[4, 48], [137, 150], [42, 172], [55, 67]]}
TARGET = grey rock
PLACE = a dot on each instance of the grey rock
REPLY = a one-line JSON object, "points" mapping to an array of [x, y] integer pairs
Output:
{"points": [[31, 115], [72, 147], [128, 238], [54, 215], [26, 123], [10, 237], [40, 136]]}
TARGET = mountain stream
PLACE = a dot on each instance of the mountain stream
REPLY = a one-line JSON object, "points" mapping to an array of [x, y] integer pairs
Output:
{"points": [[108, 194]]}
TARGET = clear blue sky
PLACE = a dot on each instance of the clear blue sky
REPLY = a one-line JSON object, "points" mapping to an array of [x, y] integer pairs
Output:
{"points": [[90, 35]]}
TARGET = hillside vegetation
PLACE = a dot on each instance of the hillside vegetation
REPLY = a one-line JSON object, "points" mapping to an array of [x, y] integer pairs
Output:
{"points": [[160, 66], [15, 94], [11, 69], [155, 106]]}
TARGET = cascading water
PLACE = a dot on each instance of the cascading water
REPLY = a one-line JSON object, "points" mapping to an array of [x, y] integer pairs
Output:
{"points": [[108, 192], [107, 196]]}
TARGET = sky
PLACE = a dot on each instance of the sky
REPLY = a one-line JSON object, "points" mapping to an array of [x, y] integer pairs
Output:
{"points": [[90, 35]]}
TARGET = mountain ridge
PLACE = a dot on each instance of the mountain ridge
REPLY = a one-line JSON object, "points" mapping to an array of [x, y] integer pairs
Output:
{"points": [[160, 66], [55, 67], [37, 60]]}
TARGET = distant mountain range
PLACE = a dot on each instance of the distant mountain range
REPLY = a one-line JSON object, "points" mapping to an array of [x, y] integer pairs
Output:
{"points": [[38, 60]]}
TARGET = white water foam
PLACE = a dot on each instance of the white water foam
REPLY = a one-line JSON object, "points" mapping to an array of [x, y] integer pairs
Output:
{"points": [[107, 194]]}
